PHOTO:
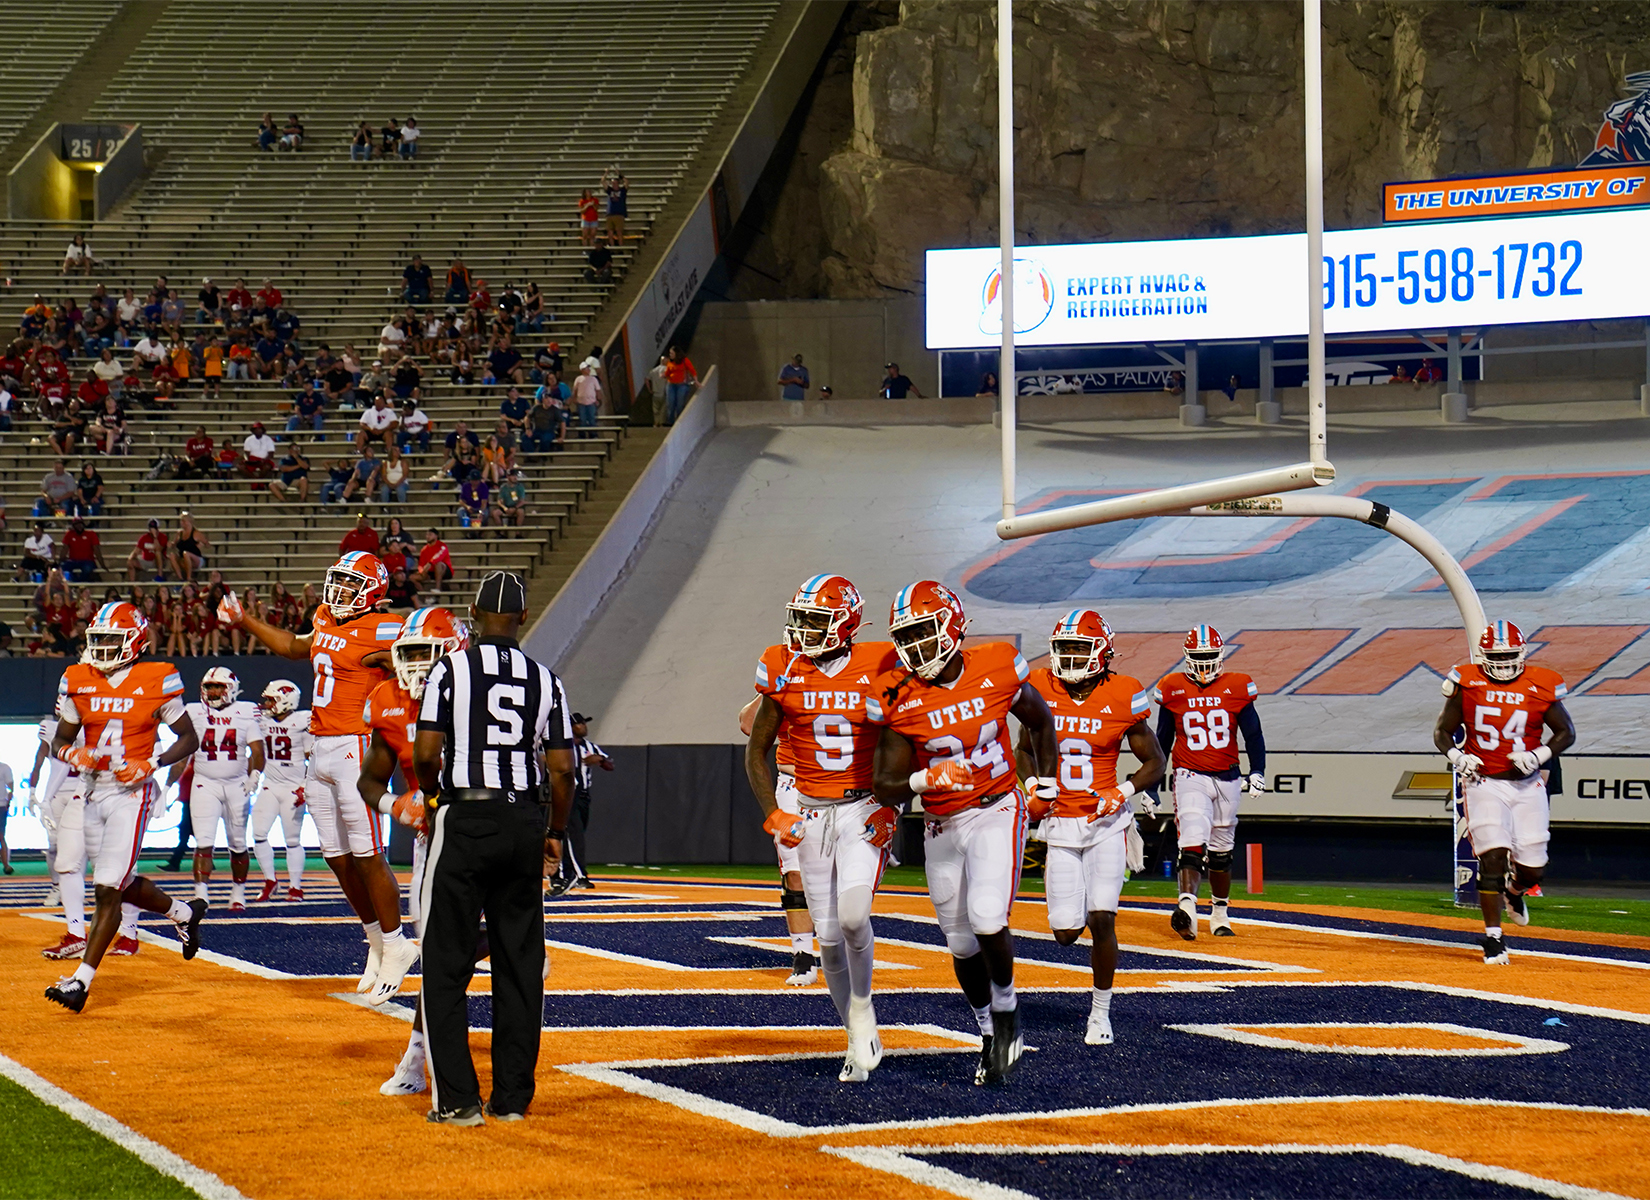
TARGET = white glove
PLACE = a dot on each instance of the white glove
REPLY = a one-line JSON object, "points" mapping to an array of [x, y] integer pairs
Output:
{"points": [[1044, 789], [1147, 803], [1528, 762], [1255, 784], [1134, 849], [45, 815], [1466, 765]]}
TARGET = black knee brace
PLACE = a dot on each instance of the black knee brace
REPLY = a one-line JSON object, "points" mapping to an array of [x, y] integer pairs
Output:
{"points": [[790, 899], [1492, 871], [1220, 860], [1191, 860]]}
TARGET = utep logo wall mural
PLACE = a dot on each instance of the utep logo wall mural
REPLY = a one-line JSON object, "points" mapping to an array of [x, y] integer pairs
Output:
{"points": [[1033, 297], [1625, 134], [1523, 533]]}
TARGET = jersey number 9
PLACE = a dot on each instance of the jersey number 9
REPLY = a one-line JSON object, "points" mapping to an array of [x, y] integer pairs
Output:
{"points": [[836, 743]]}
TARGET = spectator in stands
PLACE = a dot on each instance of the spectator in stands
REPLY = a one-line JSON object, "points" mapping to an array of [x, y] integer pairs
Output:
{"points": [[498, 453], [51, 376], [238, 296], [463, 373], [39, 552], [267, 355], [510, 502], [292, 471], [415, 425], [793, 380], [78, 257], [481, 303], [268, 135], [92, 391], [88, 492], [61, 436], [309, 409], [6, 402], [198, 454], [208, 303], [189, 547], [362, 539], [284, 609], [82, 552], [372, 380], [364, 475], [617, 188], [896, 386], [111, 426], [57, 490], [271, 295], [211, 368], [435, 564], [1400, 374], [171, 315], [394, 477], [463, 450], [531, 319], [988, 384], [475, 507], [680, 380], [389, 139], [504, 363], [589, 214], [229, 460], [286, 324], [544, 424], [240, 357], [392, 340], [514, 409], [258, 451], [417, 281], [148, 556], [339, 473], [458, 283], [1426, 373], [360, 146], [600, 268], [587, 395], [397, 540], [339, 383], [409, 139], [403, 591], [408, 378], [292, 136], [1231, 388]]}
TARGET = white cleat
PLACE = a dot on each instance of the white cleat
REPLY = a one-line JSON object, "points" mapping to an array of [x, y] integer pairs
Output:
{"points": [[54, 897], [864, 1044], [408, 1079], [398, 958], [852, 1072], [804, 971], [1099, 1030], [1220, 922], [369, 977]]}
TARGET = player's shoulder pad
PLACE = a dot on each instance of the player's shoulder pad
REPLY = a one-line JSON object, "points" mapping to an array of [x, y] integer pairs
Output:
{"points": [[1550, 679], [877, 658], [770, 669], [1244, 684], [1140, 697], [386, 631]]}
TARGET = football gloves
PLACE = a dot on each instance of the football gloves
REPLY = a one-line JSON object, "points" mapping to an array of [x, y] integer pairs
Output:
{"points": [[952, 775], [1528, 762], [134, 769], [1112, 800], [879, 830], [1466, 765], [230, 611], [1255, 784], [786, 827], [78, 757], [408, 810]]}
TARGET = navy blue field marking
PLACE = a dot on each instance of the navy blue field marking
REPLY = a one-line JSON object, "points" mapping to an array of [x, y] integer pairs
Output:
{"points": [[1148, 1065], [1241, 914], [1216, 1173]]}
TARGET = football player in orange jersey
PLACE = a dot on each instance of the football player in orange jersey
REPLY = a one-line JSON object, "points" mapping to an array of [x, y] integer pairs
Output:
{"points": [[349, 651], [1087, 826], [427, 635], [798, 922], [818, 684], [946, 739], [1498, 705], [120, 703], [1202, 710]]}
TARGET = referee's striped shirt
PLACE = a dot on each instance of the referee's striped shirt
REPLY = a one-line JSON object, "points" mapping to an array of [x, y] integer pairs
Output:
{"points": [[498, 709]]}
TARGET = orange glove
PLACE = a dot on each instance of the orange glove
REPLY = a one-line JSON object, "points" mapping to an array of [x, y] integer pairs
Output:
{"points": [[1038, 809], [1112, 799], [408, 809], [787, 827], [78, 757], [879, 830], [952, 775], [230, 611], [134, 769]]}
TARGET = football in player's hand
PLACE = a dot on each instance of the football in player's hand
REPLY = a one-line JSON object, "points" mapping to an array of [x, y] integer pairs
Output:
{"points": [[230, 611]]}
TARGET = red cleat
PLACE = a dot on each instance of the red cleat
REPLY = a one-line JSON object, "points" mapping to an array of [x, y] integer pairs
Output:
{"points": [[70, 947], [236, 906], [124, 946], [294, 893], [268, 890]]}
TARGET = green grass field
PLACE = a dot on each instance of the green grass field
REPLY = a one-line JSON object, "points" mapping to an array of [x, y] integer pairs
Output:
{"points": [[46, 1153], [1592, 914]]}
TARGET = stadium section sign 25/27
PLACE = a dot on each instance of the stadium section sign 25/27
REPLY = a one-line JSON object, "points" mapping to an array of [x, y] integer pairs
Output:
{"points": [[1570, 267]]}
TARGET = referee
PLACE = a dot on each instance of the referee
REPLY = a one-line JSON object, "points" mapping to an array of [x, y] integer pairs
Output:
{"points": [[492, 725]]}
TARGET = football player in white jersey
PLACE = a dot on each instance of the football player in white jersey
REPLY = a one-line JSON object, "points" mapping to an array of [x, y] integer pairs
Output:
{"points": [[231, 752], [286, 748], [54, 789]]}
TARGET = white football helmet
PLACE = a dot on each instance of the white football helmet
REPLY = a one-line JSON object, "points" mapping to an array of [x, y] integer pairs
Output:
{"points": [[1205, 652], [1501, 651], [220, 677], [281, 698]]}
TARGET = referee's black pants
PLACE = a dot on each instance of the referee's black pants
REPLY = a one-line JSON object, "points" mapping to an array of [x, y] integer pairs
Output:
{"points": [[573, 864], [485, 856]]}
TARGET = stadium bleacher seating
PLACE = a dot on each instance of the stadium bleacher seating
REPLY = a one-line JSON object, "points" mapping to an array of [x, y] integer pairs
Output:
{"points": [[39, 54]]}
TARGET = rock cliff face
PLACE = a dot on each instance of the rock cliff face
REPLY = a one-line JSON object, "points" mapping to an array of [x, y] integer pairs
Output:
{"points": [[1168, 118]]}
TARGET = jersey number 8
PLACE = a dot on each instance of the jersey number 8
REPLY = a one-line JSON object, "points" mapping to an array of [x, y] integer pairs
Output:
{"points": [[1207, 730], [1076, 765]]}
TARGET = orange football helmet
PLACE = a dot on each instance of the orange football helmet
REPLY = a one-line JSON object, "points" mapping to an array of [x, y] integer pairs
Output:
{"points": [[1205, 651], [823, 616], [1501, 651], [115, 636], [927, 624], [1081, 646], [427, 635], [353, 584]]}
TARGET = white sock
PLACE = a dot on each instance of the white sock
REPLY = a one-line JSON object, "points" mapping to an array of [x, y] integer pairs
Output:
{"points": [[802, 943], [415, 1041], [200, 891], [983, 1016], [393, 938], [265, 854], [85, 972], [180, 912], [295, 866], [1100, 1001], [73, 885], [833, 960], [1221, 901], [128, 919], [375, 935], [1188, 901], [237, 891], [1002, 997], [1492, 931]]}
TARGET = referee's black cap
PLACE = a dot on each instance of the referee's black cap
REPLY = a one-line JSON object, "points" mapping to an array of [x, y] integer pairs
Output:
{"points": [[501, 592]]}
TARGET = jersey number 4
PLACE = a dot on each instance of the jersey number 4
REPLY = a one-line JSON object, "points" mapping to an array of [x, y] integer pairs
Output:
{"points": [[212, 745], [1206, 730], [987, 753], [1489, 736]]}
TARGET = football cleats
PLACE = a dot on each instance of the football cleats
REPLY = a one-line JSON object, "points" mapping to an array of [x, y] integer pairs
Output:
{"points": [[427, 635], [1080, 647], [1501, 651], [1205, 649], [927, 624], [823, 616], [353, 584], [220, 677], [281, 698], [115, 636]]}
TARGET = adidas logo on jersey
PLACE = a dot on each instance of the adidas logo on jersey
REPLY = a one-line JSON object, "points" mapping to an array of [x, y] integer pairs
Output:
{"points": [[985, 683], [864, 679], [137, 691]]}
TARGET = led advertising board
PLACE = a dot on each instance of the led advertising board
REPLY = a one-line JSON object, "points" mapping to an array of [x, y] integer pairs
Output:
{"points": [[1472, 273], [1527, 193]]}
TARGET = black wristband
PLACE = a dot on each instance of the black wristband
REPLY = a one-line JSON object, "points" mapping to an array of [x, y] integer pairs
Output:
{"points": [[559, 834]]}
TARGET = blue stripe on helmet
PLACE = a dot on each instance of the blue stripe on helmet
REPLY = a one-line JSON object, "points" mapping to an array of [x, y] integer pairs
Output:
{"points": [[902, 602], [811, 588]]}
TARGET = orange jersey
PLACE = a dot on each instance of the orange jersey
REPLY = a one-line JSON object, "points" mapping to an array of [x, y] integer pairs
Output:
{"points": [[966, 720], [1502, 718], [1205, 719], [390, 711], [120, 714], [1089, 734], [783, 756], [342, 680], [829, 738]]}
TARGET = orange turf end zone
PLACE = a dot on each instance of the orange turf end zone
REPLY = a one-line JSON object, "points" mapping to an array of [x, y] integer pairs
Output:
{"points": [[273, 1084]]}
